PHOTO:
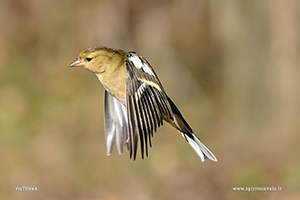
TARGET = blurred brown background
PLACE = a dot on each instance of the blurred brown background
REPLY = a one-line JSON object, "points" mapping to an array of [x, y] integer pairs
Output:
{"points": [[232, 67]]}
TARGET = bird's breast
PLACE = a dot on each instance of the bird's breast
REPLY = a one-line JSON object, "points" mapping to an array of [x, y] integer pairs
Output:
{"points": [[115, 85]]}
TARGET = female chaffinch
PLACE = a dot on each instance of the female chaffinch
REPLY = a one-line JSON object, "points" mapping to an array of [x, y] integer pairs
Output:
{"points": [[135, 101]]}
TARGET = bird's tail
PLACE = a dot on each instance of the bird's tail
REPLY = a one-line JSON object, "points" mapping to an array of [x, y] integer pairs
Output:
{"points": [[202, 151], [187, 133]]}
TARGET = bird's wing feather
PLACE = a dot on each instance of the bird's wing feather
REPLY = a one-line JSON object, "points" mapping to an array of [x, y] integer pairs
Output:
{"points": [[146, 102], [115, 123]]}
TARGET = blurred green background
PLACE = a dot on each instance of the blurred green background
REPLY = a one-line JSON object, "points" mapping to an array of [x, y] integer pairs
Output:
{"points": [[232, 68]]}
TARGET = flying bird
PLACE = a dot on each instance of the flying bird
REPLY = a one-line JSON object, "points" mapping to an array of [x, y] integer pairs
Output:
{"points": [[136, 103]]}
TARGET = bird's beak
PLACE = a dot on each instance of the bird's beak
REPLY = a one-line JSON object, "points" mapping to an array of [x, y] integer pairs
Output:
{"points": [[76, 63]]}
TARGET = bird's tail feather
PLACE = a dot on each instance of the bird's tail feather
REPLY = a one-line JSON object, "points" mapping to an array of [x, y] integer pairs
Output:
{"points": [[188, 134], [202, 151]]}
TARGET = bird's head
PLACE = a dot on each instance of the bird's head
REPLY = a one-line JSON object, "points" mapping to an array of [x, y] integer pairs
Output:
{"points": [[99, 59]]}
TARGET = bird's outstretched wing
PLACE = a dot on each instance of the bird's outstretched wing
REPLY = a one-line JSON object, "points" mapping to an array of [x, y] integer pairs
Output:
{"points": [[115, 123], [146, 102]]}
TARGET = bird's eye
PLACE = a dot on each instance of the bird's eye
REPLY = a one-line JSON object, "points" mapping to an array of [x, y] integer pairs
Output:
{"points": [[89, 59]]}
